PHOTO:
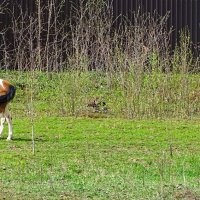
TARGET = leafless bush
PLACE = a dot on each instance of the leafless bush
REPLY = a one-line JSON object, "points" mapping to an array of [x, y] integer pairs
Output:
{"points": [[3, 6], [93, 38], [37, 42], [134, 56]]}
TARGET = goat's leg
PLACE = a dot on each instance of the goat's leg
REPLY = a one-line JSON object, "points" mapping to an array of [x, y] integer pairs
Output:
{"points": [[2, 125], [10, 129]]}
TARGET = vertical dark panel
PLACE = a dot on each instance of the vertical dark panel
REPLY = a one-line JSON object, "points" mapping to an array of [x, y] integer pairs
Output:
{"points": [[161, 7], [195, 23], [151, 6], [124, 7], [146, 6], [179, 15], [183, 13], [121, 8], [136, 5], [141, 5], [173, 20], [198, 22], [130, 7], [166, 6], [156, 6], [127, 8], [190, 17], [115, 12], [176, 18], [171, 12]]}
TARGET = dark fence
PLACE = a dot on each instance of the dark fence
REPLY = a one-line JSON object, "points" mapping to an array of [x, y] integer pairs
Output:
{"points": [[182, 13]]}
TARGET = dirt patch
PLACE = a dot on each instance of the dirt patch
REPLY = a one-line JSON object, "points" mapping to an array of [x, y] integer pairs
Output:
{"points": [[186, 195]]}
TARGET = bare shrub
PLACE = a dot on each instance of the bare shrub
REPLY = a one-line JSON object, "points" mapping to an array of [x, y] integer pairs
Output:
{"points": [[127, 63], [37, 42]]}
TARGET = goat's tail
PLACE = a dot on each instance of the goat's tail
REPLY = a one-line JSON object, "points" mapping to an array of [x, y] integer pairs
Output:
{"points": [[9, 96]]}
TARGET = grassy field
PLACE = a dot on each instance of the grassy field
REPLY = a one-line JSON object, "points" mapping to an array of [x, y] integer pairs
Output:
{"points": [[145, 146], [83, 158], [143, 141], [154, 96]]}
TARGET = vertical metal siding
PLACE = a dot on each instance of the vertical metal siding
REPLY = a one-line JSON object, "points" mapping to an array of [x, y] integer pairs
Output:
{"points": [[183, 13], [198, 21], [195, 23]]}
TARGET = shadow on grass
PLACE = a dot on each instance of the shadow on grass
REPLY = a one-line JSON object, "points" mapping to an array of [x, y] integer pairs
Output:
{"points": [[26, 139]]}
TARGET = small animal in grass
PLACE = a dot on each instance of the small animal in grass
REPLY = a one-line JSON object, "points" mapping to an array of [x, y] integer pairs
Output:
{"points": [[7, 93], [98, 106]]}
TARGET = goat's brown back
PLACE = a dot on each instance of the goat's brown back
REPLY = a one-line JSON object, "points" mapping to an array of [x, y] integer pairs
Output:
{"points": [[4, 87]]}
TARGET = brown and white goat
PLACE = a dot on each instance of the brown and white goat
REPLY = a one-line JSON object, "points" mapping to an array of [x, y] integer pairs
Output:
{"points": [[7, 93]]}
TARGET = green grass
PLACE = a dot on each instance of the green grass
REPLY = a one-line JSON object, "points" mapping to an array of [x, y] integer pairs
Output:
{"points": [[155, 95], [80, 154], [83, 158]]}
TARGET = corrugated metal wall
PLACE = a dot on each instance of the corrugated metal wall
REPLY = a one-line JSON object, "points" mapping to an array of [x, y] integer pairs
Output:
{"points": [[183, 13]]}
